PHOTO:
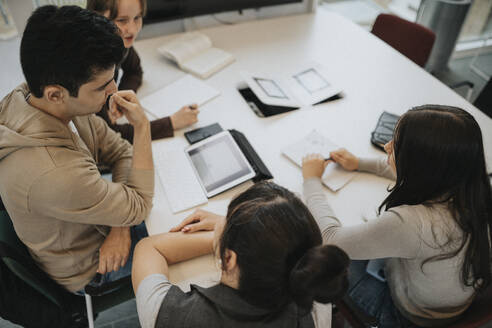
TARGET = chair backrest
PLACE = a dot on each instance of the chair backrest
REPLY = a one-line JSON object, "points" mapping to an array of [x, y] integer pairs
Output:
{"points": [[17, 258], [411, 39], [484, 99]]}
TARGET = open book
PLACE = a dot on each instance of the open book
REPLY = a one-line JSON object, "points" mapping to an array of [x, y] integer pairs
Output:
{"points": [[334, 177], [193, 52], [307, 85]]}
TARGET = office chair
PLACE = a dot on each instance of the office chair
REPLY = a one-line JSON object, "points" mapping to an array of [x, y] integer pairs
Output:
{"points": [[411, 39], [18, 260]]}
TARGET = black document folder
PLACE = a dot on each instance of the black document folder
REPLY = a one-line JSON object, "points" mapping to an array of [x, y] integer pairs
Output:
{"points": [[264, 110]]}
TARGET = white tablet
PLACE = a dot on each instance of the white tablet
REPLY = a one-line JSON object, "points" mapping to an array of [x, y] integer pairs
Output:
{"points": [[219, 163]]}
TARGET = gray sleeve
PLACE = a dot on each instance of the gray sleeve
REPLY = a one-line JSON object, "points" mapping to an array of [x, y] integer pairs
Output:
{"points": [[315, 199], [389, 235], [377, 166], [150, 294]]}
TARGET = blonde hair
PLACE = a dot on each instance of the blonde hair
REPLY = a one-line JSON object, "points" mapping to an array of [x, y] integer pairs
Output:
{"points": [[101, 6]]}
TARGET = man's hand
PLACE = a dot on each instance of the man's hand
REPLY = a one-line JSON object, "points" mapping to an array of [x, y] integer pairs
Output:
{"points": [[187, 115], [313, 165], [126, 103], [115, 250], [198, 220]]}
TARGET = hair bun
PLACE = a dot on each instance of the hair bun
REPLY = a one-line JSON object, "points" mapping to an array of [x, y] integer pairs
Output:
{"points": [[319, 275]]}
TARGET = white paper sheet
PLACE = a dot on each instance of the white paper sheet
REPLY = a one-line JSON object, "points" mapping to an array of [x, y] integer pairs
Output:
{"points": [[179, 181], [334, 177], [185, 91]]}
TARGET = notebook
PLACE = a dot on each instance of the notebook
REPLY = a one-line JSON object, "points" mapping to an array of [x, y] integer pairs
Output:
{"points": [[182, 189], [182, 92], [334, 177]]}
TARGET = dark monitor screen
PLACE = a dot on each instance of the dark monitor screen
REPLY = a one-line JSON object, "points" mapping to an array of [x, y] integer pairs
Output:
{"points": [[164, 10]]}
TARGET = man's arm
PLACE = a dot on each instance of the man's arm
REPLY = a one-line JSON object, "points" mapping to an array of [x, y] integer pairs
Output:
{"points": [[115, 250], [112, 150], [76, 192]]}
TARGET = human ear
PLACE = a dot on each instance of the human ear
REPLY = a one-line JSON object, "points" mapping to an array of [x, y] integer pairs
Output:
{"points": [[54, 94], [230, 259]]}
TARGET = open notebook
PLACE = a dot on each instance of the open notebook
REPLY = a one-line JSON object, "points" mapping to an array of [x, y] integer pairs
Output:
{"points": [[182, 92], [334, 177]]}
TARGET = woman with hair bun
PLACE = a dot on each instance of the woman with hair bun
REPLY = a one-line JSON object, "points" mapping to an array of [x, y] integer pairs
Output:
{"points": [[435, 226], [275, 270]]}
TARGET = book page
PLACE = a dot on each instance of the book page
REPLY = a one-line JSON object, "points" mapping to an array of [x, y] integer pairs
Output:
{"points": [[311, 84], [334, 177], [185, 47], [270, 89], [185, 91], [208, 62]]}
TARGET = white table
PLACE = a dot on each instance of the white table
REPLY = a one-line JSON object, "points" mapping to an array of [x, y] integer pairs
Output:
{"points": [[374, 78]]}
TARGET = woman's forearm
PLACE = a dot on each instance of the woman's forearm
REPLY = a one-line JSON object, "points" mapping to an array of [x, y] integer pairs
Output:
{"points": [[153, 254], [178, 246]]}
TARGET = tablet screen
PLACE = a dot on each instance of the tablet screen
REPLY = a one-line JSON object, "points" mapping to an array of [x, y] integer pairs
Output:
{"points": [[219, 163]]}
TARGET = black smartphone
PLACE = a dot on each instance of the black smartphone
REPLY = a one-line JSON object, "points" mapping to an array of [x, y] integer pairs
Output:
{"points": [[196, 135]]}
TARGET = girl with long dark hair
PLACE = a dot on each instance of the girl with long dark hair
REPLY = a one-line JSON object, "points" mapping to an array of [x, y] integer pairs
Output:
{"points": [[435, 226], [272, 261]]}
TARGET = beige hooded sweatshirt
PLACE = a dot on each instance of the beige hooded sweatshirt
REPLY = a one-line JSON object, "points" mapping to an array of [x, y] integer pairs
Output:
{"points": [[59, 204]]}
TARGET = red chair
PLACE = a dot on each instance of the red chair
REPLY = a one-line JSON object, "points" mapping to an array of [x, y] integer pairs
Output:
{"points": [[410, 39]]}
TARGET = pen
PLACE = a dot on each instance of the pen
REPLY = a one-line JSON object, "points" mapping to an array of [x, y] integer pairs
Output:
{"points": [[328, 159]]}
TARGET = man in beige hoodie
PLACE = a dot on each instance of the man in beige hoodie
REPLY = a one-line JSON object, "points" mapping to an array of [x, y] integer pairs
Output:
{"points": [[74, 222]]}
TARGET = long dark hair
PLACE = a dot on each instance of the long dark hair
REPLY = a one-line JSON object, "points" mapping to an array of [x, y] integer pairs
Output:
{"points": [[439, 158], [279, 252]]}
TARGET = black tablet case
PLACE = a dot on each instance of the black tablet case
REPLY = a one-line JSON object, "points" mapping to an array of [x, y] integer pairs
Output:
{"points": [[383, 133], [262, 172]]}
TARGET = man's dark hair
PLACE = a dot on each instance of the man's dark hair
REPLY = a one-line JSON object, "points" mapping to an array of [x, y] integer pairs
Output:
{"points": [[67, 46]]}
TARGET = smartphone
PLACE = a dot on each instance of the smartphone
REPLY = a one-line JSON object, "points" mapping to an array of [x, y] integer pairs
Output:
{"points": [[199, 134]]}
